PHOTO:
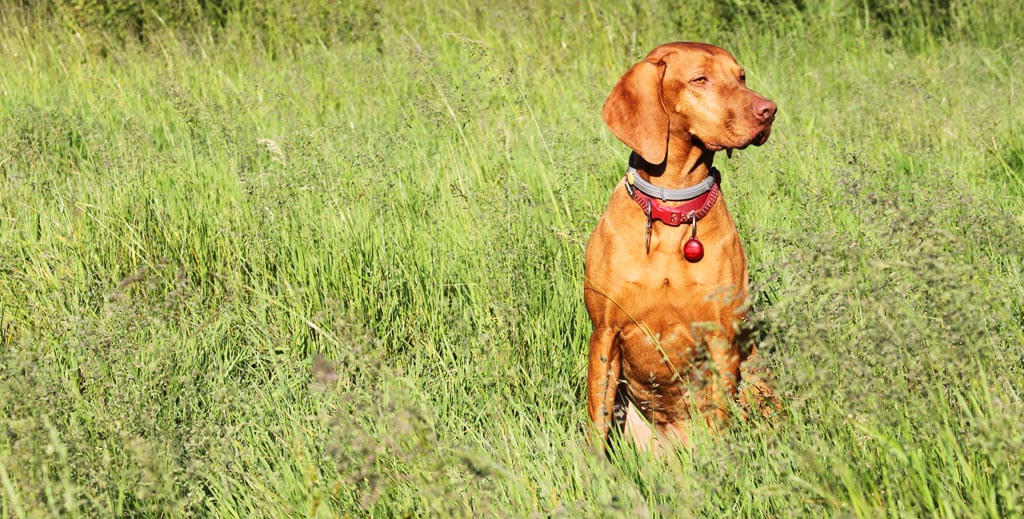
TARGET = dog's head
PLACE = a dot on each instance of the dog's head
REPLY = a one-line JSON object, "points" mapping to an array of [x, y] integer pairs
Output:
{"points": [[689, 91]]}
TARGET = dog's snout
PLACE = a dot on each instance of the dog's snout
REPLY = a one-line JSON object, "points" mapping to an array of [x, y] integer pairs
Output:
{"points": [[764, 110]]}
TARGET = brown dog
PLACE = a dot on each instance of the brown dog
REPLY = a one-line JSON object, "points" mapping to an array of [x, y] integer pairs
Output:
{"points": [[667, 299]]}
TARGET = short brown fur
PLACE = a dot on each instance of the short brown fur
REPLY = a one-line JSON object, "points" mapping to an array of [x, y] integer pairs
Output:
{"points": [[665, 329]]}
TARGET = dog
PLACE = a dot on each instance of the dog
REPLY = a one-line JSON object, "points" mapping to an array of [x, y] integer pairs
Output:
{"points": [[665, 273]]}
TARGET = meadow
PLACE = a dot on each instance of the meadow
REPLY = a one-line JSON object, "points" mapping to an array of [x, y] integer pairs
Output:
{"points": [[325, 259]]}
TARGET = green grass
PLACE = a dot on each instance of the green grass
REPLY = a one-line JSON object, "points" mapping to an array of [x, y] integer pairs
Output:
{"points": [[322, 260]]}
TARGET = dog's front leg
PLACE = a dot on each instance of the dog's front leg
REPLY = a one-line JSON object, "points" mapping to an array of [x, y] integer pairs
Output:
{"points": [[723, 379], [602, 380], [756, 391]]}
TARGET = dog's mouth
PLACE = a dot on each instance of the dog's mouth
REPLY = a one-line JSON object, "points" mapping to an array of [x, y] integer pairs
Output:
{"points": [[762, 136], [757, 139]]}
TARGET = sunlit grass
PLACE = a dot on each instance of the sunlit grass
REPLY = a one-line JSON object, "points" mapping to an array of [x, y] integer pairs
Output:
{"points": [[330, 264]]}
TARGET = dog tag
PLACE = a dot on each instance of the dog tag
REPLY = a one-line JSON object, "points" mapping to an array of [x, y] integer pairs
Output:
{"points": [[647, 232], [693, 249]]}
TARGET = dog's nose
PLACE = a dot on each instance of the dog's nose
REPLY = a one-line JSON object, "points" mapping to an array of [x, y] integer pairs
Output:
{"points": [[764, 110]]}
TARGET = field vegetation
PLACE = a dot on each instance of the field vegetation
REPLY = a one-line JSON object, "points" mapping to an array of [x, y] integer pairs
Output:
{"points": [[325, 259]]}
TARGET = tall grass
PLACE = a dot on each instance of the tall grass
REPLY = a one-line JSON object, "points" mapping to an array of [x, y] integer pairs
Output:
{"points": [[326, 260]]}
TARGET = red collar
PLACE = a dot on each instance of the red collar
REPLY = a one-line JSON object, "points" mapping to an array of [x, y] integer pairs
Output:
{"points": [[697, 207]]}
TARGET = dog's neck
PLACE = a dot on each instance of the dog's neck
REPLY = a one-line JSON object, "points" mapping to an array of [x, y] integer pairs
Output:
{"points": [[685, 166]]}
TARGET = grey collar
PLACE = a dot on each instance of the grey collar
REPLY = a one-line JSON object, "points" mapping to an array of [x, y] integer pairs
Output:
{"points": [[668, 195]]}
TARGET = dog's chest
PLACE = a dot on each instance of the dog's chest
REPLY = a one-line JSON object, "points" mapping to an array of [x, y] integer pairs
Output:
{"points": [[666, 299], [660, 284], [666, 274]]}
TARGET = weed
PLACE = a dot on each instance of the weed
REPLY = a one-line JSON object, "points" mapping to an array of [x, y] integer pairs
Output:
{"points": [[325, 260]]}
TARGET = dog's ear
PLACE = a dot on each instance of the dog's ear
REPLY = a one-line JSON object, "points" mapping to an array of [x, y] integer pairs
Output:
{"points": [[635, 113]]}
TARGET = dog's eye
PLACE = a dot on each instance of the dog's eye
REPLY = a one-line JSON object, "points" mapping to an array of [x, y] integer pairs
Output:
{"points": [[700, 80], [743, 78]]}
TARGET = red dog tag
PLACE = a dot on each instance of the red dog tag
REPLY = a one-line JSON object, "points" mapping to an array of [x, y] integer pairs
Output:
{"points": [[693, 249]]}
